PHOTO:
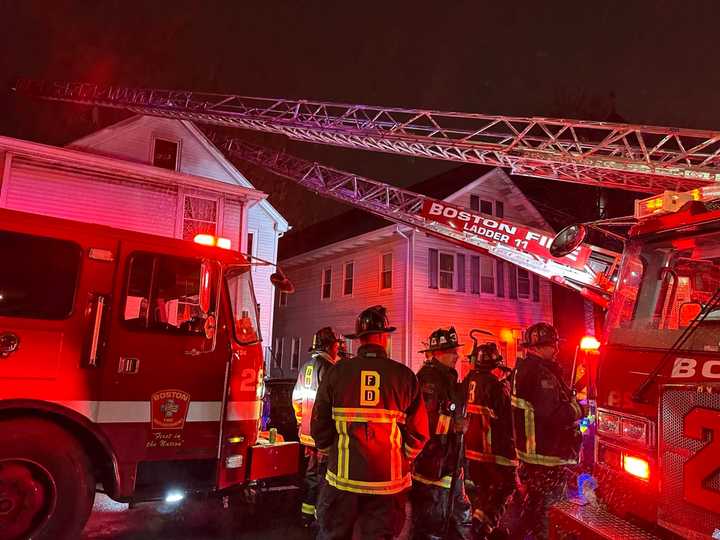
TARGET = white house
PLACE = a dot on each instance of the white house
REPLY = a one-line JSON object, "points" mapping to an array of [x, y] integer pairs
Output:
{"points": [[153, 175], [346, 264]]}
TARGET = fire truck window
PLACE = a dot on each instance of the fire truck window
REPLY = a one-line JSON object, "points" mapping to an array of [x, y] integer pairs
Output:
{"points": [[38, 276], [163, 293], [244, 306]]}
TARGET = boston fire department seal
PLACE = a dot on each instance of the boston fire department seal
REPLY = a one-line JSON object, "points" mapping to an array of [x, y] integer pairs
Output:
{"points": [[169, 409]]}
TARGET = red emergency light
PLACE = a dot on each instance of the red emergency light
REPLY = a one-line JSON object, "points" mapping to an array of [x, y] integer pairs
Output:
{"points": [[210, 240], [636, 466], [589, 343]]}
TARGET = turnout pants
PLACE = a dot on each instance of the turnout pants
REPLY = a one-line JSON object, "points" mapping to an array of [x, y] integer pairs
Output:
{"points": [[314, 479], [494, 485], [544, 486], [379, 517], [429, 511]]}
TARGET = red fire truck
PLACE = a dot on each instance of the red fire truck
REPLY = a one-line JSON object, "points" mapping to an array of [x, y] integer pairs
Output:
{"points": [[657, 384], [129, 362]]}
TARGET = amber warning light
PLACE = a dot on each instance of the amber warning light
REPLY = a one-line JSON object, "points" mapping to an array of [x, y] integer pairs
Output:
{"points": [[636, 466], [589, 343], [210, 240]]}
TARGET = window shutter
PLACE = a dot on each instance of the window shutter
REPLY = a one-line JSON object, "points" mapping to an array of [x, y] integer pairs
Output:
{"points": [[500, 279], [512, 280], [535, 288], [460, 272], [475, 274], [474, 202], [433, 268], [499, 209]]}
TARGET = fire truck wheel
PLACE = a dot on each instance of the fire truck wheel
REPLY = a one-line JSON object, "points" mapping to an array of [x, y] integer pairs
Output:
{"points": [[46, 482]]}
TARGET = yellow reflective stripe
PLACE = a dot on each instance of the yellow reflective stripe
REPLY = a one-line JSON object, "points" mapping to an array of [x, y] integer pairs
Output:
{"points": [[369, 488], [443, 425], [307, 440], [410, 452], [308, 509], [529, 414], [444, 482], [395, 452], [343, 449], [352, 414], [490, 458], [549, 461], [481, 409]]}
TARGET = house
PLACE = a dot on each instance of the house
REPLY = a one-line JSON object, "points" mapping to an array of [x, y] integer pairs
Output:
{"points": [[356, 260], [148, 174]]}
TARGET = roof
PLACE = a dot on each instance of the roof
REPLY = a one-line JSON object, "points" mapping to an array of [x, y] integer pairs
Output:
{"points": [[357, 221]]}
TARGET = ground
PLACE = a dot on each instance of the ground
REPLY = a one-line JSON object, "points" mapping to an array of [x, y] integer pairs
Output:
{"points": [[196, 520]]}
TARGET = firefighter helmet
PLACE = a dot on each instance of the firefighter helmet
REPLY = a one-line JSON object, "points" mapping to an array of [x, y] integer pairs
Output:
{"points": [[323, 339], [442, 339], [373, 320], [540, 334], [486, 355]]}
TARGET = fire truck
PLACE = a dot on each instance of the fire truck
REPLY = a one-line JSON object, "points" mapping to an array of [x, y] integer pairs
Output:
{"points": [[129, 362], [656, 384]]}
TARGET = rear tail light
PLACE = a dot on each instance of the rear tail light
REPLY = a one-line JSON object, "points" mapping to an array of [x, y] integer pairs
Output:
{"points": [[636, 466]]}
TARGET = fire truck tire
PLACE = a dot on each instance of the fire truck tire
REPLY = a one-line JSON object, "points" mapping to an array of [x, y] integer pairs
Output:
{"points": [[47, 488]]}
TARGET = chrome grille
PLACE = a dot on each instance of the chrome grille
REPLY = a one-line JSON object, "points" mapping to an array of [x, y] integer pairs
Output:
{"points": [[674, 512]]}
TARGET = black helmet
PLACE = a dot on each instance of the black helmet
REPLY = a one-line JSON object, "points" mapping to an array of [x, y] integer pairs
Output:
{"points": [[371, 321], [323, 339], [540, 334], [487, 356], [442, 339]]}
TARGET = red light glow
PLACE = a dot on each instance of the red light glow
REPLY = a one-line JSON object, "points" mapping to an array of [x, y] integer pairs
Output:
{"points": [[589, 343], [204, 239]]}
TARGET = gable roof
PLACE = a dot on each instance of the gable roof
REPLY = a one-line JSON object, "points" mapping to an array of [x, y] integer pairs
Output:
{"points": [[445, 186], [95, 142]]}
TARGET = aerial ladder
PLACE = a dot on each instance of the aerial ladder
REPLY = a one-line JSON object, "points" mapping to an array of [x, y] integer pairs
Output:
{"points": [[637, 158]]}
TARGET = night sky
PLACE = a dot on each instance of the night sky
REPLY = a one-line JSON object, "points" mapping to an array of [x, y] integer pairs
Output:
{"points": [[651, 62]]}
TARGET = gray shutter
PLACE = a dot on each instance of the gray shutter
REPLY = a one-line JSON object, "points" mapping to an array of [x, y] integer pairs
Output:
{"points": [[433, 268], [500, 279], [535, 288], [475, 274], [512, 280], [460, 272]]}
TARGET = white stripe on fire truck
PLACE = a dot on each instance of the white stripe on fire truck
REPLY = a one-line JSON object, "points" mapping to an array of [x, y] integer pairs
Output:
{"points": [[106, 412]]}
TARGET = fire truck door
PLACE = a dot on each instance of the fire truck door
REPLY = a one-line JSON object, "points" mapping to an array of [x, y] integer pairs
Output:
{"points": [[164, 377]]}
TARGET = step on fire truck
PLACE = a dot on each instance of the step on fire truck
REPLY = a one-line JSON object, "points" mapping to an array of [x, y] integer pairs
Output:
{"points": [[128, 361], [656, 384], [657, 381]]}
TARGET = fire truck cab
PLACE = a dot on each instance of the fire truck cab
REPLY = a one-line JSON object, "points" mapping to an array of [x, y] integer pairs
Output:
{"points": [[657, 446], [127, 361]]}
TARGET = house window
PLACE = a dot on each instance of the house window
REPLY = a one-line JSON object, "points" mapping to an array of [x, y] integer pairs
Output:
{"points": [[474, 203], [499, 209], [460, 272], [165, 154], [447, 270], [326, 282], [278, 352], [386, 272], [475, 274], [199, 216], [283, 298], [433, 268], [295, 356], [523, 283], [487, 275], [486, 207], [535, 288], [348, 281]]}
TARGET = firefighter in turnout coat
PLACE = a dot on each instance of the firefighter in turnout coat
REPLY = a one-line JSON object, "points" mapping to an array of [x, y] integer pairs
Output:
{"points": [[434, 467], [546, 425], [489, 444], [323, 355], [370, 418]]}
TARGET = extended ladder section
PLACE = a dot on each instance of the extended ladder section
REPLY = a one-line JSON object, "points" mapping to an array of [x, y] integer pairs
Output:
{"points": [[634, 157], [585, 270]]}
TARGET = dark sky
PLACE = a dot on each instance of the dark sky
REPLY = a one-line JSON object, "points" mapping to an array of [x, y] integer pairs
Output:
{"points": [[557, 58]]}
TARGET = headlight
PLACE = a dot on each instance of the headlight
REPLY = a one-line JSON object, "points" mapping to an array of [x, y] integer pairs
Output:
{"points": [[628, 427], [608, 423], [635, 430]]}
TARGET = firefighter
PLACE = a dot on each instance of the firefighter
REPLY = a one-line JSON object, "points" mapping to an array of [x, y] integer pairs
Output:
{"points": [[490, 448], [370, 418], [324, 352], [545, 423], [434, 467]]}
